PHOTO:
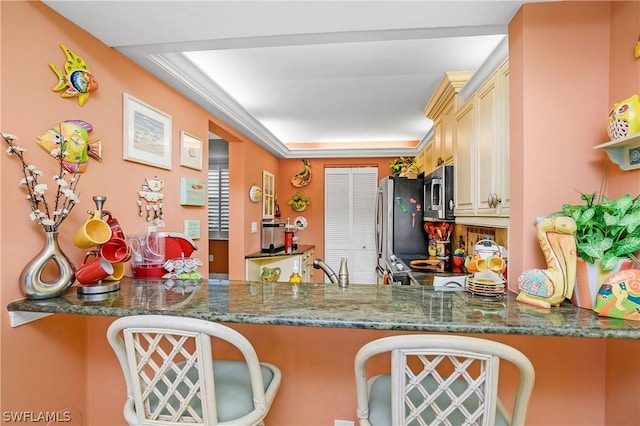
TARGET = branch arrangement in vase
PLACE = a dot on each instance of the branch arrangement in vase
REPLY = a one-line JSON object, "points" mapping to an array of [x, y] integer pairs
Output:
{"points": [[48, 214]]}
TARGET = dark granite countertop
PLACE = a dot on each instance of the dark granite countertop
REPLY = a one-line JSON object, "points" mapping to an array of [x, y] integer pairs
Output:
{"points": [[259, 255], [411, 308]]}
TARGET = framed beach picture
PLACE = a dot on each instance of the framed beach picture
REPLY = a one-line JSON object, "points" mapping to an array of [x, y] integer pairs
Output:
{"points": [[147, 134], [190, 151]]}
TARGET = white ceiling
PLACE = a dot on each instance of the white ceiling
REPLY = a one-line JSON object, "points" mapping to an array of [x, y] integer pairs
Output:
{"points": [[354, 75]]}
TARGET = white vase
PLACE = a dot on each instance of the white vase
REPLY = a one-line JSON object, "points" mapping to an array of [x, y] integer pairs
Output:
{"points": [[31, 278], [589, 278]]}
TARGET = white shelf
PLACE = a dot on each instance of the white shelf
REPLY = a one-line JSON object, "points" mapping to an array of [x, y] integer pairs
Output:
{"points": [[625, 152], [17, 318]]}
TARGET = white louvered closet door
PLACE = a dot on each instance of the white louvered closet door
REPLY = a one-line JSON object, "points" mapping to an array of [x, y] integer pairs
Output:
{"points": [[349, 229]]}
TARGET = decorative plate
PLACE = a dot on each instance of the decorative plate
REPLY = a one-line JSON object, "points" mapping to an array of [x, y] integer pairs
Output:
{"points": [[300, 222], [255, 193]]}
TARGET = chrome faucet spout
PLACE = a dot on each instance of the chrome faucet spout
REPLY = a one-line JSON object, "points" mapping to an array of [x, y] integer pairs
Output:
{"points": [[319, 264]]}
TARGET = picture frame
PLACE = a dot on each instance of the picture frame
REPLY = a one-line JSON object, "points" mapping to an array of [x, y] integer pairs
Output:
{"points": [[190, 151], [146, 134]]}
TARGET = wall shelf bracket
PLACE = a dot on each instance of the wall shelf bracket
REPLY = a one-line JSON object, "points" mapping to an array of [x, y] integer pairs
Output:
{"points": [[625, 152]]}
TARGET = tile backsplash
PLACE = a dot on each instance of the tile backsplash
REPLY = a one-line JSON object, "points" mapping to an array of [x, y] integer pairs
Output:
{"points": [[467, 236]]}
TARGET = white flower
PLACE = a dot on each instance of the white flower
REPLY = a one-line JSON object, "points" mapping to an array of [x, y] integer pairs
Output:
{"points": [[40, 188], [9, 137], [48, 213]]}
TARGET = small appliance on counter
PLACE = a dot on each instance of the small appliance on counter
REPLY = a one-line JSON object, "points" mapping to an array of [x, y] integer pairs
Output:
{"points": [[151, 251], [272, 236]]}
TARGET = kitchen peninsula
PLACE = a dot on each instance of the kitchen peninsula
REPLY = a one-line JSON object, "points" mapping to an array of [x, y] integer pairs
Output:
{"points": [[314, 333], [407, 308]]}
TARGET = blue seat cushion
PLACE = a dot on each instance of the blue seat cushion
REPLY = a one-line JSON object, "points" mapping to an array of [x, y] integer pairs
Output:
{"points": [[380, 402], [234, 397]]}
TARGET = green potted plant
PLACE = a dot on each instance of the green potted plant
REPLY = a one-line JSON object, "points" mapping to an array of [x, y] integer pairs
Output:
{"points": [[299, 201], [607, 238], [404, 167], [607, 230]]}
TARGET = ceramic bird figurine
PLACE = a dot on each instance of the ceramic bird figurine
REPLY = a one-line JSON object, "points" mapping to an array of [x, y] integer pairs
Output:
{"points": [[76, 78], [72, 136], [302, 178], [549, 287], [624, 118]]}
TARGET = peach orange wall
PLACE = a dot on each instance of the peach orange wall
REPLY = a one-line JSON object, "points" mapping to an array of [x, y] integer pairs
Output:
{"points": [[559, 68], [44, 363], [622, 392], [314, 234]]}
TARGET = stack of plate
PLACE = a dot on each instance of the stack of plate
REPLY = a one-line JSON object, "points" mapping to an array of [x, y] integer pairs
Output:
{"points": [[485, 287]]}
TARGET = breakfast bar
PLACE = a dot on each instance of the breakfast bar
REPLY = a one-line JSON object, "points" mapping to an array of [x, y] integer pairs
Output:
{"points": [[313, 332], [376, 307]]}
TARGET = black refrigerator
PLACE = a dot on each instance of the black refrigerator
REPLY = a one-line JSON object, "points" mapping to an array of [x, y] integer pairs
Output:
{"points": [[399, 221]]}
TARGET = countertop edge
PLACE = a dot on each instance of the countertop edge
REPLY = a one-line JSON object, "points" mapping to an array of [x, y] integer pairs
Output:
{"points": [[261, 319]]}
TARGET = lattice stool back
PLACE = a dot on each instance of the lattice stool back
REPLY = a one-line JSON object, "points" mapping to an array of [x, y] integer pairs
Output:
{"points": [[439, 380], [172, 378]]}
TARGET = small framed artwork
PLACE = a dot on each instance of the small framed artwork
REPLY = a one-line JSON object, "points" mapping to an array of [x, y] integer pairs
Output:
{"points": [[147, 134], [192, 192], [190, 151], [192, 229]]}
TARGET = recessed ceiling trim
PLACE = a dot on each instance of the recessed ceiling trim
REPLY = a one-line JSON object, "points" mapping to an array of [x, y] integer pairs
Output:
{"points": [[179, 72], [352, 153], [493, 61], [214, 99], [317, 38]]}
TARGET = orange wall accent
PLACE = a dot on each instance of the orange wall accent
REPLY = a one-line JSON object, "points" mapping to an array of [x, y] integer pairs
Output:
{"points": [[46, 364], [559, 61], [314, 213], [621, 387]]}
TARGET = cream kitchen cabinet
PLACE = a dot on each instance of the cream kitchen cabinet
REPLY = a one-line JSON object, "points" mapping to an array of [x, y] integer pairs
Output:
{"points": [[482, 154], [303, 256], [441, 110]]}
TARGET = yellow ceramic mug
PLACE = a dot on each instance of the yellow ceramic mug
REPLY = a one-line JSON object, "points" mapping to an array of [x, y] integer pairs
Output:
{"points": [[118, 272], [496, 264], [477, 264], [93, 232]]}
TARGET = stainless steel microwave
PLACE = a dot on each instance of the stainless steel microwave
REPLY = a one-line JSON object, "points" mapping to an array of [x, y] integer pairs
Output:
{"points": [[438, 194]]}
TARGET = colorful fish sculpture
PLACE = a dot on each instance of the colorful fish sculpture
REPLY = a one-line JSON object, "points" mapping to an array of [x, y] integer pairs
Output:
{"points": [[76, 78], [72, 136]]}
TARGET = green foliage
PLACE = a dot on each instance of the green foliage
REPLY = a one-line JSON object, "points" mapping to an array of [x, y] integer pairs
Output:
{"points": [[402, 164], [299, 201], [608, 230]]}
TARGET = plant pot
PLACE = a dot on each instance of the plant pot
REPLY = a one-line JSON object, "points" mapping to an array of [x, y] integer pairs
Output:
{"points": [[589, 278]]}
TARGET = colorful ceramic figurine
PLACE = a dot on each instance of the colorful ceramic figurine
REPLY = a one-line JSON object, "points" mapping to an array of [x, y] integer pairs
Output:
{"points": [[619, 296], [76, 78], [302, 178], [75, 142], [549, 287], [624, 118]]}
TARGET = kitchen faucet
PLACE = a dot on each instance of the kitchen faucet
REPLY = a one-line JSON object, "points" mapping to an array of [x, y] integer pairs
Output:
{"points": [[343, 280], [319, 264]]}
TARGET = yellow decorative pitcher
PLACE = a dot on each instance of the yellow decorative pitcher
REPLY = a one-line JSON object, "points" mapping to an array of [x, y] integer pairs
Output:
{"points": [[270, 274]]}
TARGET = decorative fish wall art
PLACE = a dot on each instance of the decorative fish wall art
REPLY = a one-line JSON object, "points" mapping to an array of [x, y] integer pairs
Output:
{"points": [[76, 80], [72, 136]]}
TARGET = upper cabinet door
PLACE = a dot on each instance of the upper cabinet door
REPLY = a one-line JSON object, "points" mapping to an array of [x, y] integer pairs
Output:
{"points": [[268, 195]]}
